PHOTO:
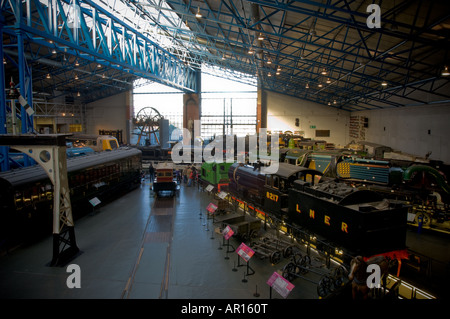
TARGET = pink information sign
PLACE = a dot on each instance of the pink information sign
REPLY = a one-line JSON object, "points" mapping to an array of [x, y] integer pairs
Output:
{"points": [[245, 252], [227, 232], [280, 284], [211, 208]]}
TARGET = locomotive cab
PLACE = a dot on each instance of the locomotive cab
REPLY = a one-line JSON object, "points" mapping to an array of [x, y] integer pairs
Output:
{"points": [[277, 185]]}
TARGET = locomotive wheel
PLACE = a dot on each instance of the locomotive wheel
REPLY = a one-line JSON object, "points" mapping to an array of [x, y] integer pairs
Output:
{"points": [[275, 257], [288, 252], [340, 272], [339, 275], [325, 286], [305, 262], [426, 219], [289, 271], [296, 258]]}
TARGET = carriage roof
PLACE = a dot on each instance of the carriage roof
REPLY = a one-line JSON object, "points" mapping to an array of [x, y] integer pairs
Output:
{"points": [[35, 173]]}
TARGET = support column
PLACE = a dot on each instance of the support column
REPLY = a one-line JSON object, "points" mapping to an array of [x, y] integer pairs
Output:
{"points": [[25, 86], [192, 109], [4, 161], [49, 151], [129, 117], [261, 110]]}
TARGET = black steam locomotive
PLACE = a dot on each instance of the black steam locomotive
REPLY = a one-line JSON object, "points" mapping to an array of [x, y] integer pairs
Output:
{"points": [[358, 221], [26, 194]]}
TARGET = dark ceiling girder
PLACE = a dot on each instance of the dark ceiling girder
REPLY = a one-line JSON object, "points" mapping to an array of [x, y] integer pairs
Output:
{"points": [[354, 55]]}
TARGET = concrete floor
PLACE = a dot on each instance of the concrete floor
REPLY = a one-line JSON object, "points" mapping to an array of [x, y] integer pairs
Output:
{"points": [[140, 247]]}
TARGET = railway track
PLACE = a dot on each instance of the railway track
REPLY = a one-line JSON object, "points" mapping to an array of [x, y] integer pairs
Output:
{"points": [[158, 229]]}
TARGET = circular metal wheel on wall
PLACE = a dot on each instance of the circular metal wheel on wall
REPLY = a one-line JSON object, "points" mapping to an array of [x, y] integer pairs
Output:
{"points": [[147, 122]]}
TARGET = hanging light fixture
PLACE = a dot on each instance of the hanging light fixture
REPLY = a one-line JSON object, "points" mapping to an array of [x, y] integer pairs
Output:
{"points": [[260, 37], [307, 86], [48, 76], [384, 83], [320, 85], [445, 71], [198, 14], [324, 71], [250, 51]]}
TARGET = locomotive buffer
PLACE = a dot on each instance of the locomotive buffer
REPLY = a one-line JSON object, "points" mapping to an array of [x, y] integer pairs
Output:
{"points": [[49, 151]]}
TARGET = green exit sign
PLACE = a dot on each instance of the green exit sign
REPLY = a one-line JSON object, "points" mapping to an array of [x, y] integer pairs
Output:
{"points": [[312, 126]]}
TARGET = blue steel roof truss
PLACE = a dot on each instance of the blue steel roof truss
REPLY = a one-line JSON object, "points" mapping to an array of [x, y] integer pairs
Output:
{"points": [[104, 40], [301, 38]]}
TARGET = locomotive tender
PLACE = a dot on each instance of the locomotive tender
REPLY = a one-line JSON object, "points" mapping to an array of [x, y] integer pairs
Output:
{"points": [[359, 221]]}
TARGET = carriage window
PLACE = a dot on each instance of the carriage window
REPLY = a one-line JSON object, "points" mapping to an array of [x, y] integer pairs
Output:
{"points": [[268, 180], [317, 179], [113, 144], [168, 174], [276, 182], [18, 199], [282, 183]]}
